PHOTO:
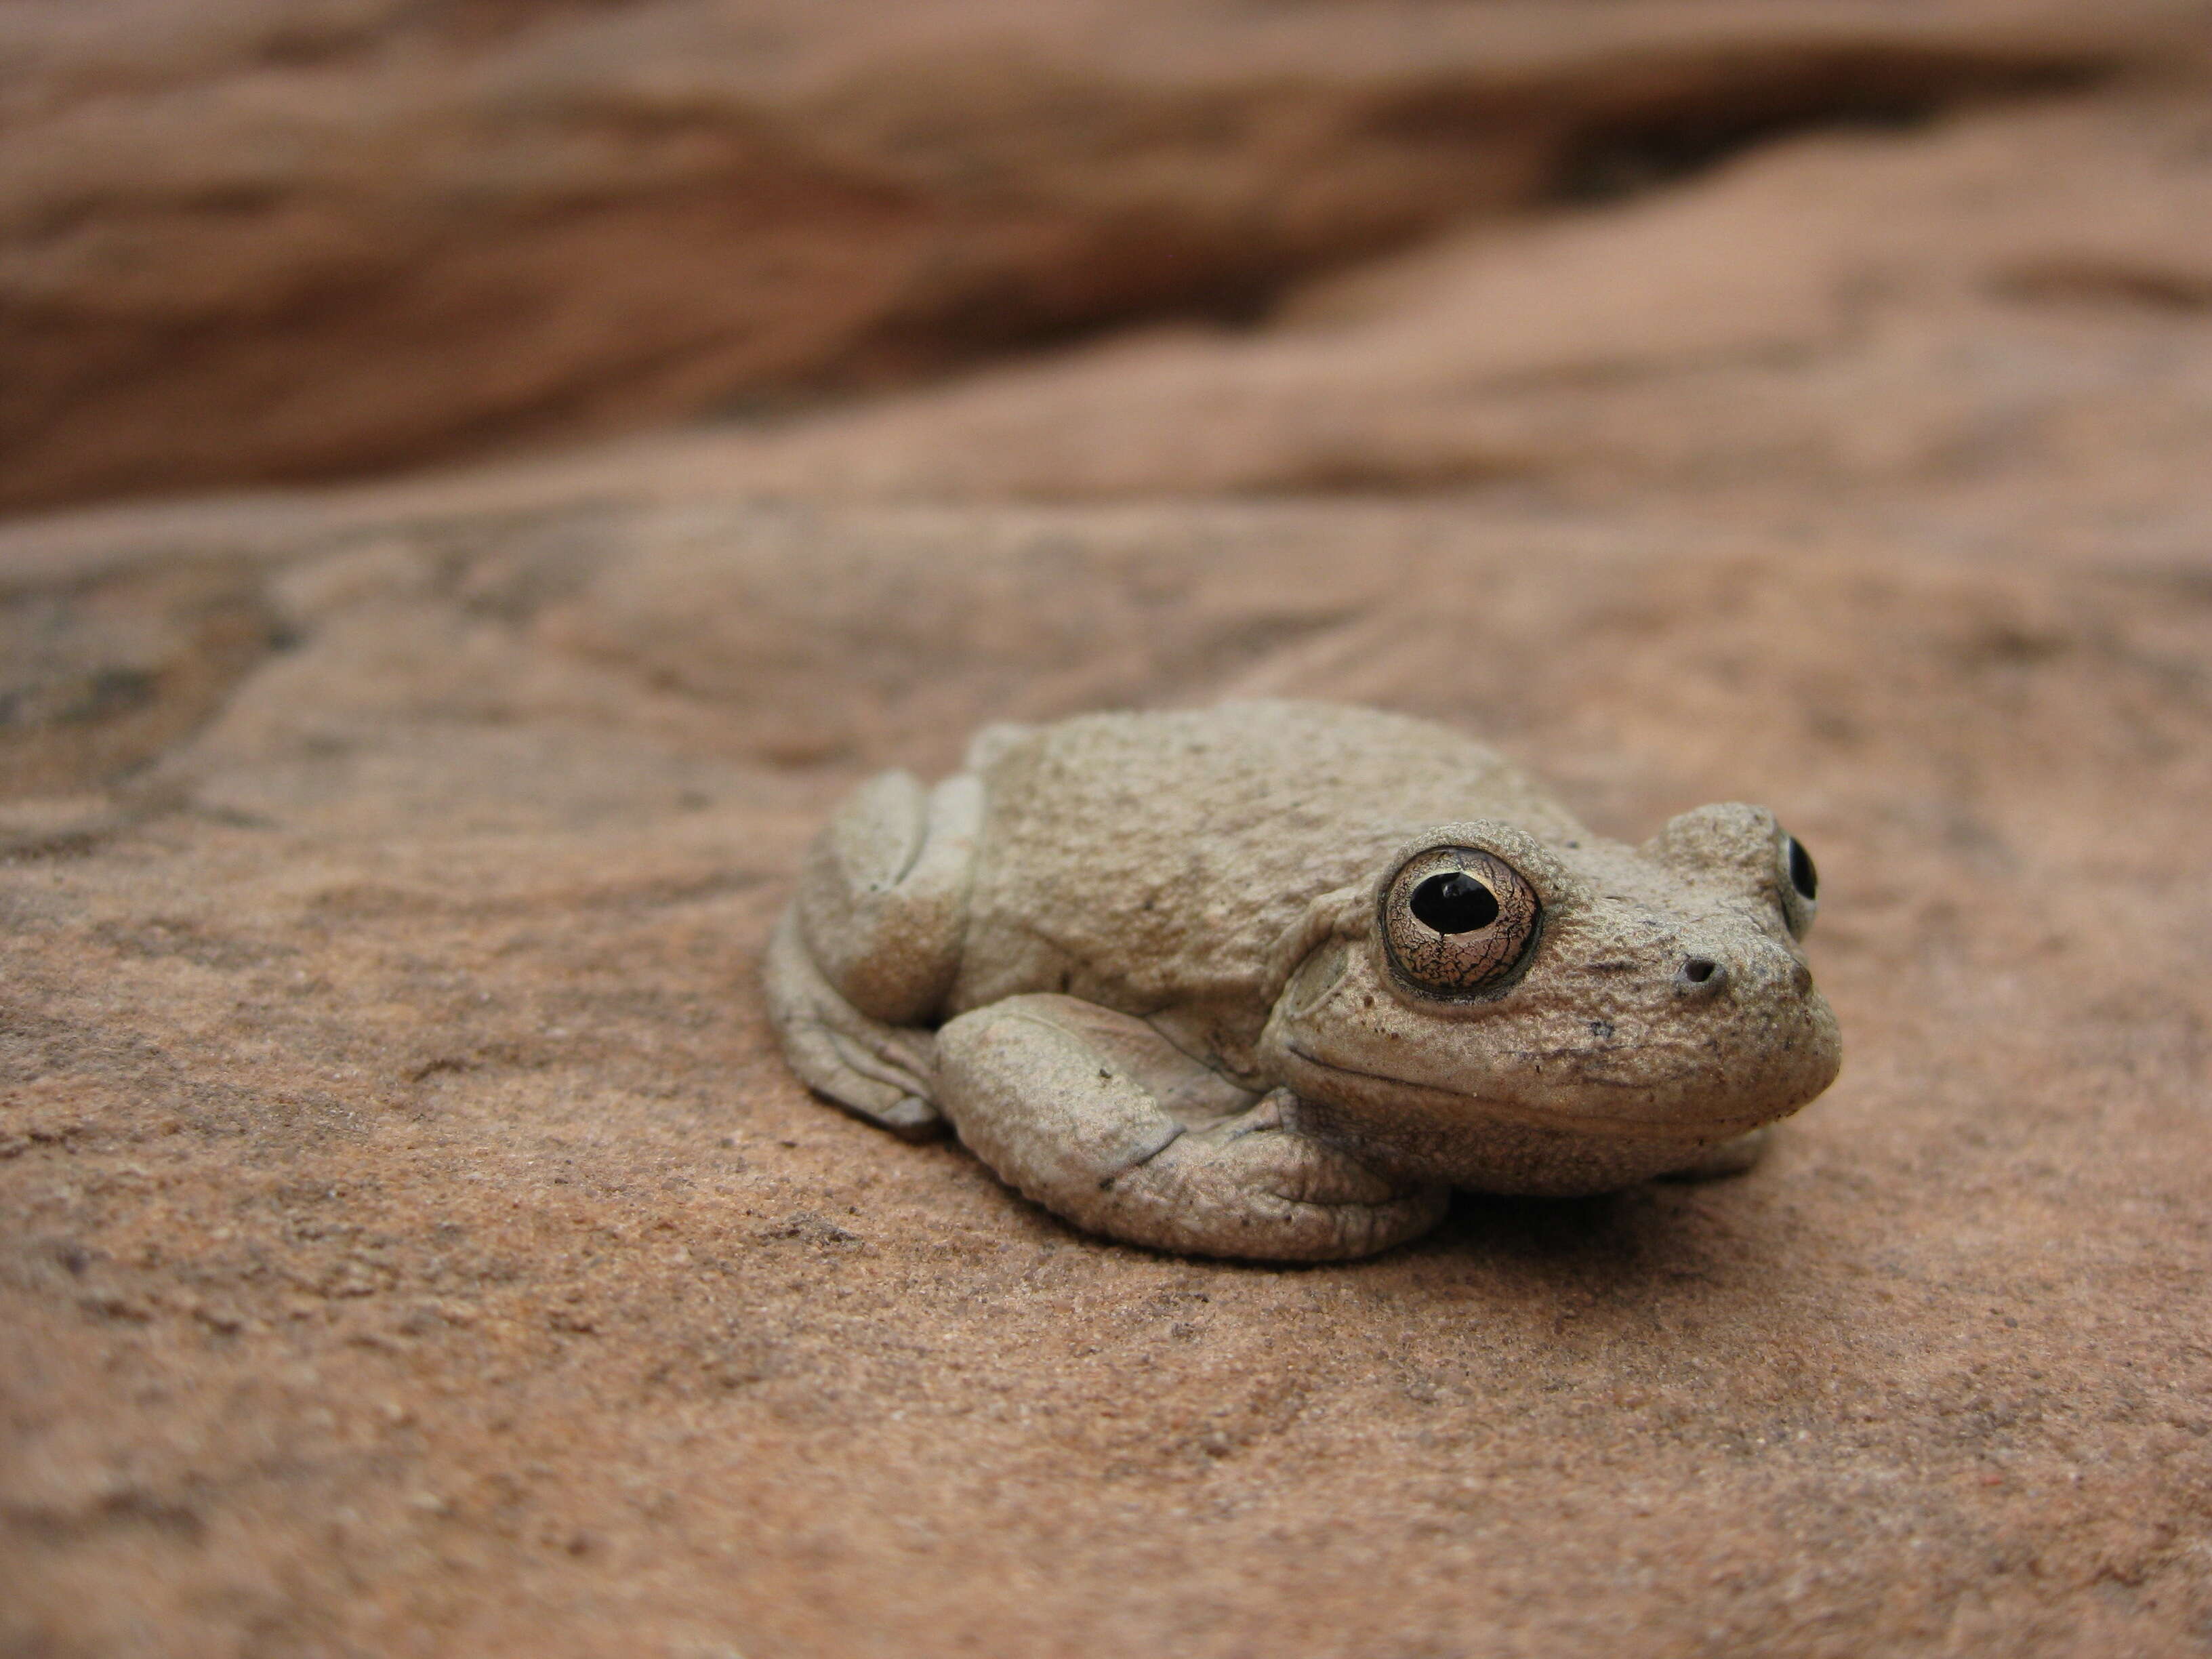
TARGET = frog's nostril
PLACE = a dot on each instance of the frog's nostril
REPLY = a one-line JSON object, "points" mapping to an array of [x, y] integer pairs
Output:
{"points": [[1701, 974]]}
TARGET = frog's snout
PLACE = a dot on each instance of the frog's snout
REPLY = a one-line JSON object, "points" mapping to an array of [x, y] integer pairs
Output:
{"points": [[1704, 975]]}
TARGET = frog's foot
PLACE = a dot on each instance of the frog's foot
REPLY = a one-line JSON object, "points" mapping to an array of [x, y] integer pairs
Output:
{"points": [[880, 1072], [1732, 1157], [1095, 1115]]}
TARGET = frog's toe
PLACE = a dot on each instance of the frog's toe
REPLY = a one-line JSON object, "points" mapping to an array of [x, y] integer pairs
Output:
{"points": [[1274, 1194], [1259, 1150], [910, 1118], [1733, 1157]]}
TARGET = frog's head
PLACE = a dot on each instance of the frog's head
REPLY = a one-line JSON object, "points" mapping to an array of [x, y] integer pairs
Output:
{"points": [[1504, 1013]]}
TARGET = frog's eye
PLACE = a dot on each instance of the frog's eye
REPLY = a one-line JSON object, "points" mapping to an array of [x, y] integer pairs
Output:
{"points": [[1458, 920], [1799, 885]]}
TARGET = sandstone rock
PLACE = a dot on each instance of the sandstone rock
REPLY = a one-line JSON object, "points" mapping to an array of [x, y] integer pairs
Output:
{"points": [[2008, 298], [412, 1229], [250, 240], [410, 1240]]}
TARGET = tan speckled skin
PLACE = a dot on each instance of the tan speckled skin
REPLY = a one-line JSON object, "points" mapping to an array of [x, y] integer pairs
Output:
{"points": [[1196, 902]]}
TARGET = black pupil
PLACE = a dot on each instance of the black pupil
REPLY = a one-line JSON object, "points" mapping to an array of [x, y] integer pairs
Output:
{"points": [[1803, 876], [1454, 903]]}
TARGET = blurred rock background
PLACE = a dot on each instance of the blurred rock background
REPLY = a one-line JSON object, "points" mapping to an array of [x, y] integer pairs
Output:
{"points": [[487, 476], [280, 240]]}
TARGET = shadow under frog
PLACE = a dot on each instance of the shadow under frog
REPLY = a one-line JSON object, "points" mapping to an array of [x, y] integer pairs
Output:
{"points": [[1269, 980]]}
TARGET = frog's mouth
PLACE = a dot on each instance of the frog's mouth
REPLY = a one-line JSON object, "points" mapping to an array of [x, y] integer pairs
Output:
{"points": [[1541, 1117]]}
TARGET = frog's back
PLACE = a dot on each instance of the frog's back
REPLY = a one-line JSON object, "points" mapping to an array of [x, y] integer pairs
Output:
{"points": [[1150, 860]]}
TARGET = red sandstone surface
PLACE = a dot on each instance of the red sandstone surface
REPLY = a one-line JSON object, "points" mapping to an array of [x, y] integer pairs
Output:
{"points": [[410, 1238]]}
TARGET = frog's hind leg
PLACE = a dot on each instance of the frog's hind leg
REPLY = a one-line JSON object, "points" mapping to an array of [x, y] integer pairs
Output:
{"points": [[1095, 1115], [881, 1072], [869, 948]]}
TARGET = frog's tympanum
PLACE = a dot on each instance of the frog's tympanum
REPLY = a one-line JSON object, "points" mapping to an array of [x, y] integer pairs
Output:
{"points": [[1269, 980]]}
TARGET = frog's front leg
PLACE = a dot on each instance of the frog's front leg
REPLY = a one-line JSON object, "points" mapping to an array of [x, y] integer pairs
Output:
{"points": [[1096, 1116]]}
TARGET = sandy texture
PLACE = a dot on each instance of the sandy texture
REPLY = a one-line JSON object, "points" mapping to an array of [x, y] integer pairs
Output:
{"points": [[410, 1241], [249, 240], [415, 1243]]}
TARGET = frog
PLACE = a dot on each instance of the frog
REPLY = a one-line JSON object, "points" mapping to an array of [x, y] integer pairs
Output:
{"points": [[1270, 979]]}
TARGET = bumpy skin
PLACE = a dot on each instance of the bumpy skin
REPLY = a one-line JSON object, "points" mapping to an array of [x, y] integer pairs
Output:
{"points": [[1152, 968]]}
